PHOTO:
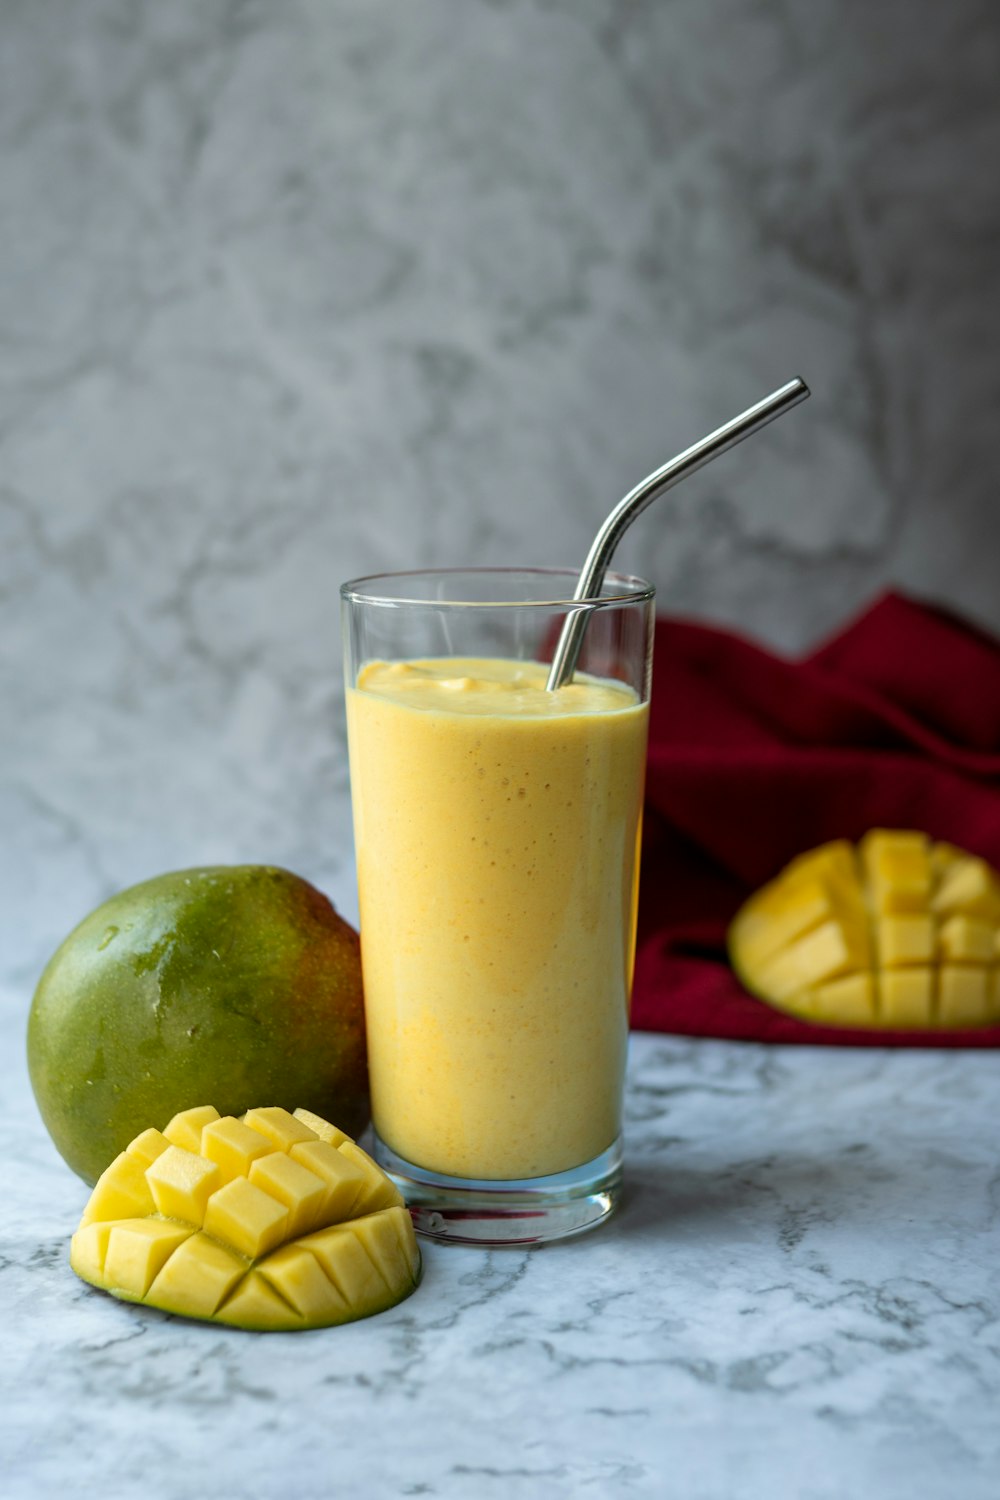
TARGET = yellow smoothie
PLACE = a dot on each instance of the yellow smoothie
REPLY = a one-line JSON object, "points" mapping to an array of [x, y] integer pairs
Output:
{"points": [[497, 828]]}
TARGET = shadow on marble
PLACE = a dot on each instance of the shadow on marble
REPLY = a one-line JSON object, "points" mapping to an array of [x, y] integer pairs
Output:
{"points": [[790, 1192]]}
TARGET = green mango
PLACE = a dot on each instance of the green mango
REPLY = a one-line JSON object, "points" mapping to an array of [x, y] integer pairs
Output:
{"points": [[233, 983]]}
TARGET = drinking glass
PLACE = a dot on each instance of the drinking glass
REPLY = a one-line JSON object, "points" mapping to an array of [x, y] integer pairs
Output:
{"points": [[497, 832]]}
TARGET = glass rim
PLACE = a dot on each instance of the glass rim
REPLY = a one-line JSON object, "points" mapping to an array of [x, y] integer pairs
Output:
{"points": [[627, 588]]}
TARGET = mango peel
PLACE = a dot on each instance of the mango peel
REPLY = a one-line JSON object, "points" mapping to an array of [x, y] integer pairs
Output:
{"points": [[231, 982], [273, 1222], [897, 934]]}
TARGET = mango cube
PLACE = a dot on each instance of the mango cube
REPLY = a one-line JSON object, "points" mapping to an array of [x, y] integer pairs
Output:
{"points": [[963, 995], [321, 1128], [300, 1279], [377, 1192], [943, 856], [233, 1146], [185, 1128], [89, 1249], [367, 1257], [282, 1129], [137, 1251], [905, 937], [380, 1235], [830, 950], [971, 887], [347, 1263], [834, 861], [181, 1183], [850, 1001], [967, 940], [906, 998], [245, 1234], [898, 868], [148, 1146], [196, 1277], [301, 1191], [880, 844], [246, 1218], [254, 1303], [121, 1191], [344, 1180], [771, 926]]}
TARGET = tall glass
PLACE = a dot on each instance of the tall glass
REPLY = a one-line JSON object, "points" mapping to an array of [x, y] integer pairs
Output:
{"points": [[497, 836]]}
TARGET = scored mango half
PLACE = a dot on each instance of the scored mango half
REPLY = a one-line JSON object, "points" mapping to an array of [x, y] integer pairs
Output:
{"points": [[274, 1221], [898, 933]]}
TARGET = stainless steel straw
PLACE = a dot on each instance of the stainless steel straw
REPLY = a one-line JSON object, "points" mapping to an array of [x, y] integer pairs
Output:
{"points": [[635, 502]]}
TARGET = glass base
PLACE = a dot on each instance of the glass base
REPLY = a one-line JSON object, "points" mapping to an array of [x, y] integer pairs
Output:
{"points": [[529, 1211]]}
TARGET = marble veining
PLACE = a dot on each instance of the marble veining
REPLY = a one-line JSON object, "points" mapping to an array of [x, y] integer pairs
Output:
{"points": [[290, 293], [798, 1299], [294, 292]]}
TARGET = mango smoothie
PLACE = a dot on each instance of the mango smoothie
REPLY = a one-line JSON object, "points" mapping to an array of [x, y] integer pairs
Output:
{"points": [[497, 831]]}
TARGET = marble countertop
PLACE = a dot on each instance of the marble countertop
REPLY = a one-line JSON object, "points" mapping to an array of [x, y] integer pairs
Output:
{"points": [[799, 1298], [293, 293]]}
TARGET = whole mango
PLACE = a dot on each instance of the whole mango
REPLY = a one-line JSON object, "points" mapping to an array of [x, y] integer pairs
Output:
{"points": [[233, 983]]}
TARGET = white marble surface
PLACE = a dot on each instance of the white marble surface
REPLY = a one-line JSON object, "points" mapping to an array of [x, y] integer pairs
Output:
{"points": [[798, 1300], [293, 292]]}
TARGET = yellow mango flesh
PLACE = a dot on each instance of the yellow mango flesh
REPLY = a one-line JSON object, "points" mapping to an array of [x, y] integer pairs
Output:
{"points": [[897, 934], [273, 1222]]}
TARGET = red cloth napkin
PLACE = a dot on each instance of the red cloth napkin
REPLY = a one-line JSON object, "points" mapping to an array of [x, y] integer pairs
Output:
{"points": [[894, 723]]}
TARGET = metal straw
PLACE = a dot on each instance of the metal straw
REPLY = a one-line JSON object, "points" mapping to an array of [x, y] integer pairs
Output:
{"points": [[635, 502]]}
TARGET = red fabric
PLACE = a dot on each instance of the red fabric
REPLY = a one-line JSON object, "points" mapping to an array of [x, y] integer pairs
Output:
{"points": [[895, 723]]}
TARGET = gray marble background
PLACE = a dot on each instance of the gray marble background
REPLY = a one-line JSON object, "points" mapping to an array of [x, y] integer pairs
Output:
{"points": [[294, 292]]}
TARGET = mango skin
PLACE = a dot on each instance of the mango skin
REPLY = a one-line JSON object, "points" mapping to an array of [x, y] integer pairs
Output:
{"points": [[233, 983]]}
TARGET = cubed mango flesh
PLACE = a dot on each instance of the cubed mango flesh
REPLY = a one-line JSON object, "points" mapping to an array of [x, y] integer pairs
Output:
{"points": [[905, 938], [247, 1218], [149, 1145], [965, 994], [970, 887], [967, 940], [906, 999], [233, 1146], [301, 1191], [138, 1249], [185, 1128], [181, 1183], [122, 1191], [848, 1001], [900, 934], [273, 1228]]}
